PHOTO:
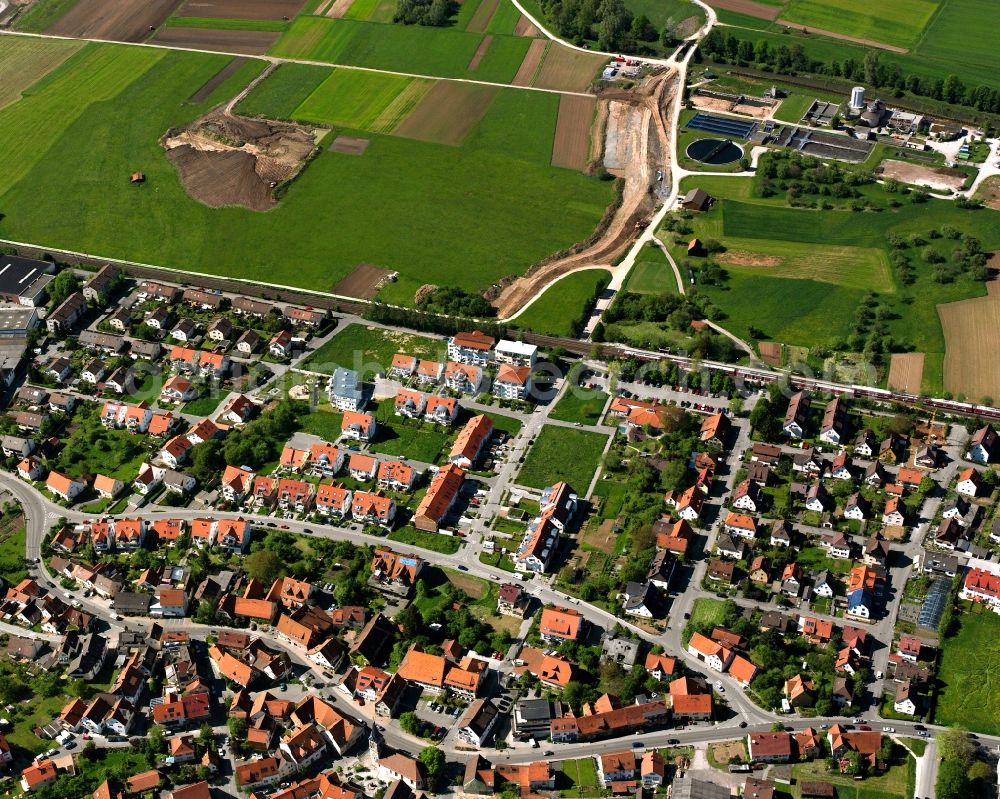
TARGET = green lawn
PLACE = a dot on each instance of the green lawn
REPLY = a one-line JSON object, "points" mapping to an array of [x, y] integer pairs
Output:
{"points": [[580, 405], [438, 543], [666, 13], [57, 189], [559, 311], [582, 777], [504, 423], [284, 90], [970, 693], [652, 275], [323, 422], [707, 612], [915, 745], [563, 454], [370, 349], [418, 441], [12, 542], [202, 406]]}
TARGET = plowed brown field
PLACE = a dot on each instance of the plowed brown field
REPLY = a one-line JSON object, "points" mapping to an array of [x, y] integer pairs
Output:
{"points": [[571, 145], [248, 42], [114, 20], [448, 112]]}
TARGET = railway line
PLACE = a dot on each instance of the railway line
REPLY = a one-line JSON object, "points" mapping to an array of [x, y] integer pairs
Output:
{"points": [[753, 375]]}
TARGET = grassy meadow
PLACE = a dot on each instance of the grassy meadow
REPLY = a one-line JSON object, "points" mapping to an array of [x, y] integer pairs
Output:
{"points": [[563, 454], [798, 275], [970, 695], [557, 311]]}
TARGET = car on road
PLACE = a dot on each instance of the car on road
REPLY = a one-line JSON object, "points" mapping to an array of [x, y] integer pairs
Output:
{"points": [[548, 752], [743, 725], [638, 745], [463, 568], [919, 727], [888, 729], [222, 751]]}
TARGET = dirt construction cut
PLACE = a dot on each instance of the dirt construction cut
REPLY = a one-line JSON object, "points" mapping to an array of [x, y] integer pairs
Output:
{"points": [[224, 159]]}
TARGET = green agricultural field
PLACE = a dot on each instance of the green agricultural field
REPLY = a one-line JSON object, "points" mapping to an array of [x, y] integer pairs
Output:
{"points": [[412, 49], [970, 693], [216, 23], [563, 454], [284, 90], [67, 185], [370, 349], [24, 61], [580, 405], [351, 99], [558, 311], [94, 74], [895, 22], [504, 19], [957, 39]]}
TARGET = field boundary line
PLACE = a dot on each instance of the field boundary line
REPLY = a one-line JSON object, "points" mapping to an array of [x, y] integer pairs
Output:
{"points": [[286, 60]]}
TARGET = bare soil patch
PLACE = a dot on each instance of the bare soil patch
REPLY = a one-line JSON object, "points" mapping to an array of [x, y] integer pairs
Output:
{"points": [[568, 70], [482, 16], [940, 178], [704, 103], [248, 42], [526, 72], [525, 27], [741, 258], [770, 352], [216, 80], [727, 750], [972, 346], [643, 145], [363, 282], [571, 144], [447, 113], [224, 159], [242, 9], [748, 7], [906, 370], [351, 145], [600, 536], [472, 586], [115, 20], [757, 111], [477, 56], [989, 192]]}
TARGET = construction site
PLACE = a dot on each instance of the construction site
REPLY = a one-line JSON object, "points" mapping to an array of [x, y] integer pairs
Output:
{"points": [[632, 129]]}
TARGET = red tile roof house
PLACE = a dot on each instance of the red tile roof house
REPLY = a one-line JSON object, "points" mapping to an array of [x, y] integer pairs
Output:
{"points": [[560, 624], [473, 348], [714, 655], [358, 426], [333, 500], [373, 508], [769, 747], [65, 487], [440, 497]]}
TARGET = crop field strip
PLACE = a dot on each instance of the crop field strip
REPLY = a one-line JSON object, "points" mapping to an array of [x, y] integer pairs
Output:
{"points": [[571, 144], [350, 99], [567, 70], [123, 20], [447, 113], [893, 22], [526, 73], [242, 9], [244, 42], [401, 105], [26, 61], [321, 230]]}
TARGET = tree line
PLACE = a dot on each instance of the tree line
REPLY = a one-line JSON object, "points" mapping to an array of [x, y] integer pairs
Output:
{"points": [[726, 47]]}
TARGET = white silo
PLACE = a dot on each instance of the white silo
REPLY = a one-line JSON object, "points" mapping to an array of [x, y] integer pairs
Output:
{"points": [[858, 97]]}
